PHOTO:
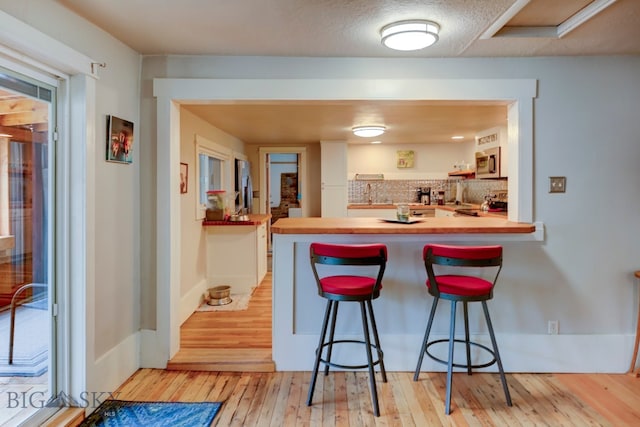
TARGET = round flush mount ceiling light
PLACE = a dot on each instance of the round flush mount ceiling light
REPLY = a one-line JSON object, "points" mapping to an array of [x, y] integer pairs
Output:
{"points": [[409, 35], [368, 131]]}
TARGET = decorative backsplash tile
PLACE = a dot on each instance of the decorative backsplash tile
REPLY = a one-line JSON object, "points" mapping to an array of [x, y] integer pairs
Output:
{"points": [[406, 190]]}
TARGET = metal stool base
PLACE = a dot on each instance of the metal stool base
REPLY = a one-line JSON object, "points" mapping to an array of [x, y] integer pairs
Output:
{"points": [[332, 308]]}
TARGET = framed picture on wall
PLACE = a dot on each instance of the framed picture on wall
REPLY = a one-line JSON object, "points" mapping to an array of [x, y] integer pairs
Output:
{"points": [[405, 158], [184, 178], [119, 140]]}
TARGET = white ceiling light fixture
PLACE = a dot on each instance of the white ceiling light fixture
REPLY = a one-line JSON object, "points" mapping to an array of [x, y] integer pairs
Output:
{"points": [[368, 131], [410, 35]]}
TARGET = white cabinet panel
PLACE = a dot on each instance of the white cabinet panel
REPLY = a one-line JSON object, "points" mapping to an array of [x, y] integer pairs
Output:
{"points": [[334, 201], [333, 163]]}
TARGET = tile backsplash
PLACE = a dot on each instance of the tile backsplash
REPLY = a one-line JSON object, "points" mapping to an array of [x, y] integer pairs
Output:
{"points": [[405, 190]]}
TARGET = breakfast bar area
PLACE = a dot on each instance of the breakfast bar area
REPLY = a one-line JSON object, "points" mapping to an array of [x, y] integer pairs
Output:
{"points": [[402, 308]]}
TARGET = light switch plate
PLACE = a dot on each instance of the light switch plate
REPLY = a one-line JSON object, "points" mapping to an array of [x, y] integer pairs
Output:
{"points": [[557, 184]]}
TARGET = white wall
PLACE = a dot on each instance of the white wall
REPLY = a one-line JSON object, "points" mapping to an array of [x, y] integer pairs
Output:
{"points": [[431, 161], [584, 129], [193, 269], [116, 282]]}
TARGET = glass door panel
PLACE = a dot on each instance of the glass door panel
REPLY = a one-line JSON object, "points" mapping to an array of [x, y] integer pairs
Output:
{"points": [[26, 322]]}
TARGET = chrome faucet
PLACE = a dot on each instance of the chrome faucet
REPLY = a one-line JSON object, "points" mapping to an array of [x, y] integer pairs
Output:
{"points": [[368, 192]]}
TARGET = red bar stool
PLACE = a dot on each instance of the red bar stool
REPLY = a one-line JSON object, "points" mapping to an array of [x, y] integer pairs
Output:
{"points": [[344, 288], [461, 288]]}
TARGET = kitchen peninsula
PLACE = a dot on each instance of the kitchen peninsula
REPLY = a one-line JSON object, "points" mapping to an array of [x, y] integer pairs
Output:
{"points": [[401, 310]]}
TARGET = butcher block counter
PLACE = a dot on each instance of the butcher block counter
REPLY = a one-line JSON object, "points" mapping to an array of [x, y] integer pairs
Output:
{"points": [[454, 225], [401, 311]]}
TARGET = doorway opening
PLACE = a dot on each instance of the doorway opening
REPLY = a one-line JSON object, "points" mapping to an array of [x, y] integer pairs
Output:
{"points": [[283, 188], [282, 183]]}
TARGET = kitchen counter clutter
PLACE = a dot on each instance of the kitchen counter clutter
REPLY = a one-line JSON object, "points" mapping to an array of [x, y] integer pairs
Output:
{"points": [[401, 313], [254, 219], [237, 252]]}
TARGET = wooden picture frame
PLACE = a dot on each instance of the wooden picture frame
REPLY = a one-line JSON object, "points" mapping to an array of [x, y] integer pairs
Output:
{"points": [[119, 140], [184, 178]]}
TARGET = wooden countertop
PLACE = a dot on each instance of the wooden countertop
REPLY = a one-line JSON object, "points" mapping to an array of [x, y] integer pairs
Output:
{"points": [[254, 219], [449, 225]]}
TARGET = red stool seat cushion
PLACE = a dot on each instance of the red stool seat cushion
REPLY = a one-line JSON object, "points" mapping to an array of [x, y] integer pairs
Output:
{"points": [[466, 286], [348, 285]]}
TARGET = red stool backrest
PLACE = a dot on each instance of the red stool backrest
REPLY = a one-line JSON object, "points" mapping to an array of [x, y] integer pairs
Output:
{"points": [[369, 253], [374, 254], [463, 256], [460, 256]]}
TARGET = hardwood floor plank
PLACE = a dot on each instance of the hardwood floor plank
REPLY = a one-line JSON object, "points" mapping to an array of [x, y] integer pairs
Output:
{"points": [[341, 396], [353, 399], [343, 399], [331, 399], [611, 406], [270, 402], [422, 412], [292, 400], [279, 411], [303, 415], [236, 417]]}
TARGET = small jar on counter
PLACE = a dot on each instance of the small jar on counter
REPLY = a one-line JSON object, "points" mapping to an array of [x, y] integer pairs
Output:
{"points": [[215, 205]]}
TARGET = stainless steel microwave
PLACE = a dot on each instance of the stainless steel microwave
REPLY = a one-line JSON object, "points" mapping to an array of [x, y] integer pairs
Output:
{"points": [[488, 163]]}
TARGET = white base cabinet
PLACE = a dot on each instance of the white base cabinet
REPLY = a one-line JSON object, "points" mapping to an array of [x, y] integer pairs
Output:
{"points": [[236, 256]]}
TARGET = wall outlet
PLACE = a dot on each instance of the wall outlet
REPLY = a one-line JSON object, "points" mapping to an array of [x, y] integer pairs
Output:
{"points": [[552, 327]]}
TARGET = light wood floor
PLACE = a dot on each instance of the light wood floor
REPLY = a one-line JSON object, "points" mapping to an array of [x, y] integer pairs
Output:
{"points": [[230, 341], [253, 397], [343, 399]]}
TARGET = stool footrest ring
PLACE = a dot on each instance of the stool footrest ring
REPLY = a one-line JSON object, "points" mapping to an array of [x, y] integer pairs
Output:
{"points": [[459, 365], [341, 366]]}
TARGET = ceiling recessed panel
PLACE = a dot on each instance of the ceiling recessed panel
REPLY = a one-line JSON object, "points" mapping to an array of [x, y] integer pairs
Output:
{"points": [[547, 13]]}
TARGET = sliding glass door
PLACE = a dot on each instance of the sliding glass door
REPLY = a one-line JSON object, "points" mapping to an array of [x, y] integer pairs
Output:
{"points": [[27, 323]]}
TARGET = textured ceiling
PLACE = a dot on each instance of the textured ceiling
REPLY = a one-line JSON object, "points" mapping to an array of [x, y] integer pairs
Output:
{"points": [[341, 28]]}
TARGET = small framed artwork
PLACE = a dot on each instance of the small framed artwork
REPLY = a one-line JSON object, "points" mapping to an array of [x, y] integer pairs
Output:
{"points": [[405, 158], [119, 140], [184, 178]]}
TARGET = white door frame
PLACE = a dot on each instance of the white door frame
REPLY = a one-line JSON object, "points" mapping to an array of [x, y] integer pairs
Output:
{"points": [[31, 51], [302, 175]]}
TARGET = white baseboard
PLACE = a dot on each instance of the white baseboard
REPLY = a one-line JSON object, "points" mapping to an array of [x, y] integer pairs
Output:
{"points": [[115, 366], [520, 353], [192, 300], [152, 353]]}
